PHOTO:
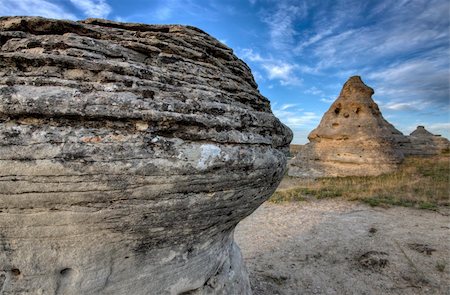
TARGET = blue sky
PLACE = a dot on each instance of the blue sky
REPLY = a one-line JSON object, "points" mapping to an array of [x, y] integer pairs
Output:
{"points": [[301, 52]]}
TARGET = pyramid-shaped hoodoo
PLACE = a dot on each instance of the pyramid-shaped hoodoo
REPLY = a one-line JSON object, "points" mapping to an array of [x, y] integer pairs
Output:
{"points": [[421, 132], [352, 138]]}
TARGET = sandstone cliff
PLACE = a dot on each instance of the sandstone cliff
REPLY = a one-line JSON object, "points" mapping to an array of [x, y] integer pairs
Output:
{"points": [[128, 154], [352, 138]]}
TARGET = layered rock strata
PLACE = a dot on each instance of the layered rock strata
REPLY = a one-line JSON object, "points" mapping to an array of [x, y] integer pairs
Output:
{"points": [[424, 143], [128, 154], [352, 138]]}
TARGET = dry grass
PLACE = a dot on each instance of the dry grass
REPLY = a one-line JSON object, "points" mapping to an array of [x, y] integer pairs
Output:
{"points": [[420, 182]]}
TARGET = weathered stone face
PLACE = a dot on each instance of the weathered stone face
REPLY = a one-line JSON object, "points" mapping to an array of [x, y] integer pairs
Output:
{"points": [[128, 154], [425, 143], [352, 138]]}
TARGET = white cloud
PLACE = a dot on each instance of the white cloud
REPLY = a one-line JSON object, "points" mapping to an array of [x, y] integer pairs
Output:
{"points": [[34, 8], [314, 91], [287, 106], [403, 106], [327, 100], [280, 71], [284, 72], [93, 8], [306, 118], [275, 69], [296, 118], [248, 53]]}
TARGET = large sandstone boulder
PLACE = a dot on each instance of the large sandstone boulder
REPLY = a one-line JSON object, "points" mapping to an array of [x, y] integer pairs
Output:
{"points": [[352, 138], [128, 154], [425, 143]]}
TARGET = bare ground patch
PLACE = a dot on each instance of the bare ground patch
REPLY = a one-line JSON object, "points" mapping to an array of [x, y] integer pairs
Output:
{"points": [[333, 246]]}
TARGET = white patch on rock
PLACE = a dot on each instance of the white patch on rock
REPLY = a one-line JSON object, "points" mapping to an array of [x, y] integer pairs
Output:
{"points": [[208, 153], [172, 254], [141, 126], [110, 87]]}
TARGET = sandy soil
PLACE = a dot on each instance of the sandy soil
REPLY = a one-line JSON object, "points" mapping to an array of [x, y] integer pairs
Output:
{"points": [[340, 247]]}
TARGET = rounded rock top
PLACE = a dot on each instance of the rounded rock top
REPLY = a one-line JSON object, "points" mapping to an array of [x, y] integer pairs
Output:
{"points": [[128, 154]]}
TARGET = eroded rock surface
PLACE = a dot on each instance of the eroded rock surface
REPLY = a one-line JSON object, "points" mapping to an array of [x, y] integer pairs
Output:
{"points": [[128, 154], [352, 138], [425, 143]]}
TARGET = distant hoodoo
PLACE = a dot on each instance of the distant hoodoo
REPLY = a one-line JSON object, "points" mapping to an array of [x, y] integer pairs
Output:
{"points": [[352, 138], [128, 154], [424, 143]]}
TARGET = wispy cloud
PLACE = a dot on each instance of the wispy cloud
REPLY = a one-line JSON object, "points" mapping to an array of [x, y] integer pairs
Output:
{"points": [[400, 48], [383, 31], [163, 13], [313, 40], [275, 69], [314, 91], [435, 128], [403, 106], [34, 8], [93, 8], [281, 22], [258, 76], [302, 119], [420, 82], [296, 118], [191, 12], [327, 100], [287, 106], [439, 128], [249, 54]]}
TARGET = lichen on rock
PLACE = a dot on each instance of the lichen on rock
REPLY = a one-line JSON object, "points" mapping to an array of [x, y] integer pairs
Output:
{"points": [[128, 154]]}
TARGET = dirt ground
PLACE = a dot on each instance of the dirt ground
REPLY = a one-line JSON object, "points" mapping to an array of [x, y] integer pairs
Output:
{"points": [[341, 247]]}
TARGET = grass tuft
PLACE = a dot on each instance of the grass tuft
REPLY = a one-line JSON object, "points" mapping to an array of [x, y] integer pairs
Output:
{"points": [[440, 266]]}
